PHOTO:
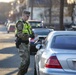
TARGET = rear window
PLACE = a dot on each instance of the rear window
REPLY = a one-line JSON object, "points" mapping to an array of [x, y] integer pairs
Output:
{"points": [[64, 42], [12, 26], [42, 32], [36, 24]]}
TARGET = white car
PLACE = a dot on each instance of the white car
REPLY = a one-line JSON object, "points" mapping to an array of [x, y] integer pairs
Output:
{"points": [[11, 27], [57, 55], [36, 23]]}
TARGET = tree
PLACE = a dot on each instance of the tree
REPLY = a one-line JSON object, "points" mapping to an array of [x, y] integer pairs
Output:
{"points": [[61, 14], [4, 10]]}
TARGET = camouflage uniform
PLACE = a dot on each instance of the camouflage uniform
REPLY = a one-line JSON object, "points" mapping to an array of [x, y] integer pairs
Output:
{"points": [[25, 58], [23, 49]]}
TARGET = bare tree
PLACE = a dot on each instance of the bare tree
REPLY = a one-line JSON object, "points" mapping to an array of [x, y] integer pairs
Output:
{"points": [[61, 27]]}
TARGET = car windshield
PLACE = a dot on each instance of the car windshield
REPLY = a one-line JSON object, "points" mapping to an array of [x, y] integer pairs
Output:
{"points": [[64, 42], [36, 24]]}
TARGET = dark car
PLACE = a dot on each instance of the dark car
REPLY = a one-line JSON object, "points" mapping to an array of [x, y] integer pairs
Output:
{"points": [[40, 34]]}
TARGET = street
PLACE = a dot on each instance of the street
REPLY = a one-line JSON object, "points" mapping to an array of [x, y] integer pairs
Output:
{"points": [[9, 58]]}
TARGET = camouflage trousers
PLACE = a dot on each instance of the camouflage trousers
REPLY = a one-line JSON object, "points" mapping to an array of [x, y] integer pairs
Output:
{"points": [[25, 58]]}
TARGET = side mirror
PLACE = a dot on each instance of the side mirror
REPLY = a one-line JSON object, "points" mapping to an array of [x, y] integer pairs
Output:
{"points": [[38, 46]]}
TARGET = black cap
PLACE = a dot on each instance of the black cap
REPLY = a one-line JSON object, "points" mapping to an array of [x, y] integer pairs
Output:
{"points": [[26, 12]]}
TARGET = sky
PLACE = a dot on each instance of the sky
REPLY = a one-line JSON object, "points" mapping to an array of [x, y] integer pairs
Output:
{"points": [[6, 0]]}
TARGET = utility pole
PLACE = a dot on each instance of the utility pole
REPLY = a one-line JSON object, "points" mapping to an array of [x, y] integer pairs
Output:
{"points": [[73, 5], [32, 9], [61, 25], [50, 5]]}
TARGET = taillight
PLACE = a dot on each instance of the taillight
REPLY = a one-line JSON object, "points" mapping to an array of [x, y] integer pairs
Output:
{"points": [[53, 62], [31, 39]]}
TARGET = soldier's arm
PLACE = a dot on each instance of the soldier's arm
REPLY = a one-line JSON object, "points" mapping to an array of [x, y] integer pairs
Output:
{"points": [[19, 27]]}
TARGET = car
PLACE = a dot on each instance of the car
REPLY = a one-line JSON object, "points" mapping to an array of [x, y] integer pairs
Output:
{"points": [[36, 23], [57, 55], [11, 27], [40, 34]]}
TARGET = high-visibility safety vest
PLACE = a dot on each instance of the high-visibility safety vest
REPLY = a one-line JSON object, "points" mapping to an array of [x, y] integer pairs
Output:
{"points": [[26, 28]]}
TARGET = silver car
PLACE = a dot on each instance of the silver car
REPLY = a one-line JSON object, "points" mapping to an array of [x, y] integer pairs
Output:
{"points": [[57, 55]]}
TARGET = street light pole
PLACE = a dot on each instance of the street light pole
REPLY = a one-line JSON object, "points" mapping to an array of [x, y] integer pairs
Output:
{"points": [[61, 26], [32, 9], [50, 12], [73, 12]]}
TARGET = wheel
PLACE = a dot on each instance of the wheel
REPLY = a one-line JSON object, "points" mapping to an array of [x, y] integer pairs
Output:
{"points": [[35, 72], [31, 53], [7, 31]]}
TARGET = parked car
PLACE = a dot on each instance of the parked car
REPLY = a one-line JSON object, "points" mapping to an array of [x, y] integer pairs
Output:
{"points": [[57, 55], [40, 34], [36, 23], [11, 27]]}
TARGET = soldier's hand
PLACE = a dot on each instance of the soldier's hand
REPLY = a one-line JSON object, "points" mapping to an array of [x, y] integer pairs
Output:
{"points": [[25, 37]]}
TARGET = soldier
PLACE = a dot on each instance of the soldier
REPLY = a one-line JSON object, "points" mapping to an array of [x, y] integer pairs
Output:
{"points": [[23, 32]]}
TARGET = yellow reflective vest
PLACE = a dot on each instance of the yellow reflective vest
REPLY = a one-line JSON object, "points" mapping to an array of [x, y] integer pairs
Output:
{"points": [[26, 28]]}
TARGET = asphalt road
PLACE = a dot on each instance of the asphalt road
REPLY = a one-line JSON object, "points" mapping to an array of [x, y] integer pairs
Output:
{"points": [[9, 58]]}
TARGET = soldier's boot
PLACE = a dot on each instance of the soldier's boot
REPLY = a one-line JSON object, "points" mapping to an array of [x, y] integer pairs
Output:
{"points": [[22, 70]]}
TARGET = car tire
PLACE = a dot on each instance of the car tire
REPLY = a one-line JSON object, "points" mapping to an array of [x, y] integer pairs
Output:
{"points": [[7, 31], [30, 52], [35, 72]]}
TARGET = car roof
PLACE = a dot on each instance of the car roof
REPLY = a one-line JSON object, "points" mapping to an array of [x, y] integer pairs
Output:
{"points": [[55, 33], [64, 32], [59, 33], [34, 21], [41, 29], [12, 23]]}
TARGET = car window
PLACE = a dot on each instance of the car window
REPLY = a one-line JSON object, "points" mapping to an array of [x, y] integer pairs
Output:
{"points": [[45, 42], [42, 32], [12, 26], [36, 24], [64, 42]]}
